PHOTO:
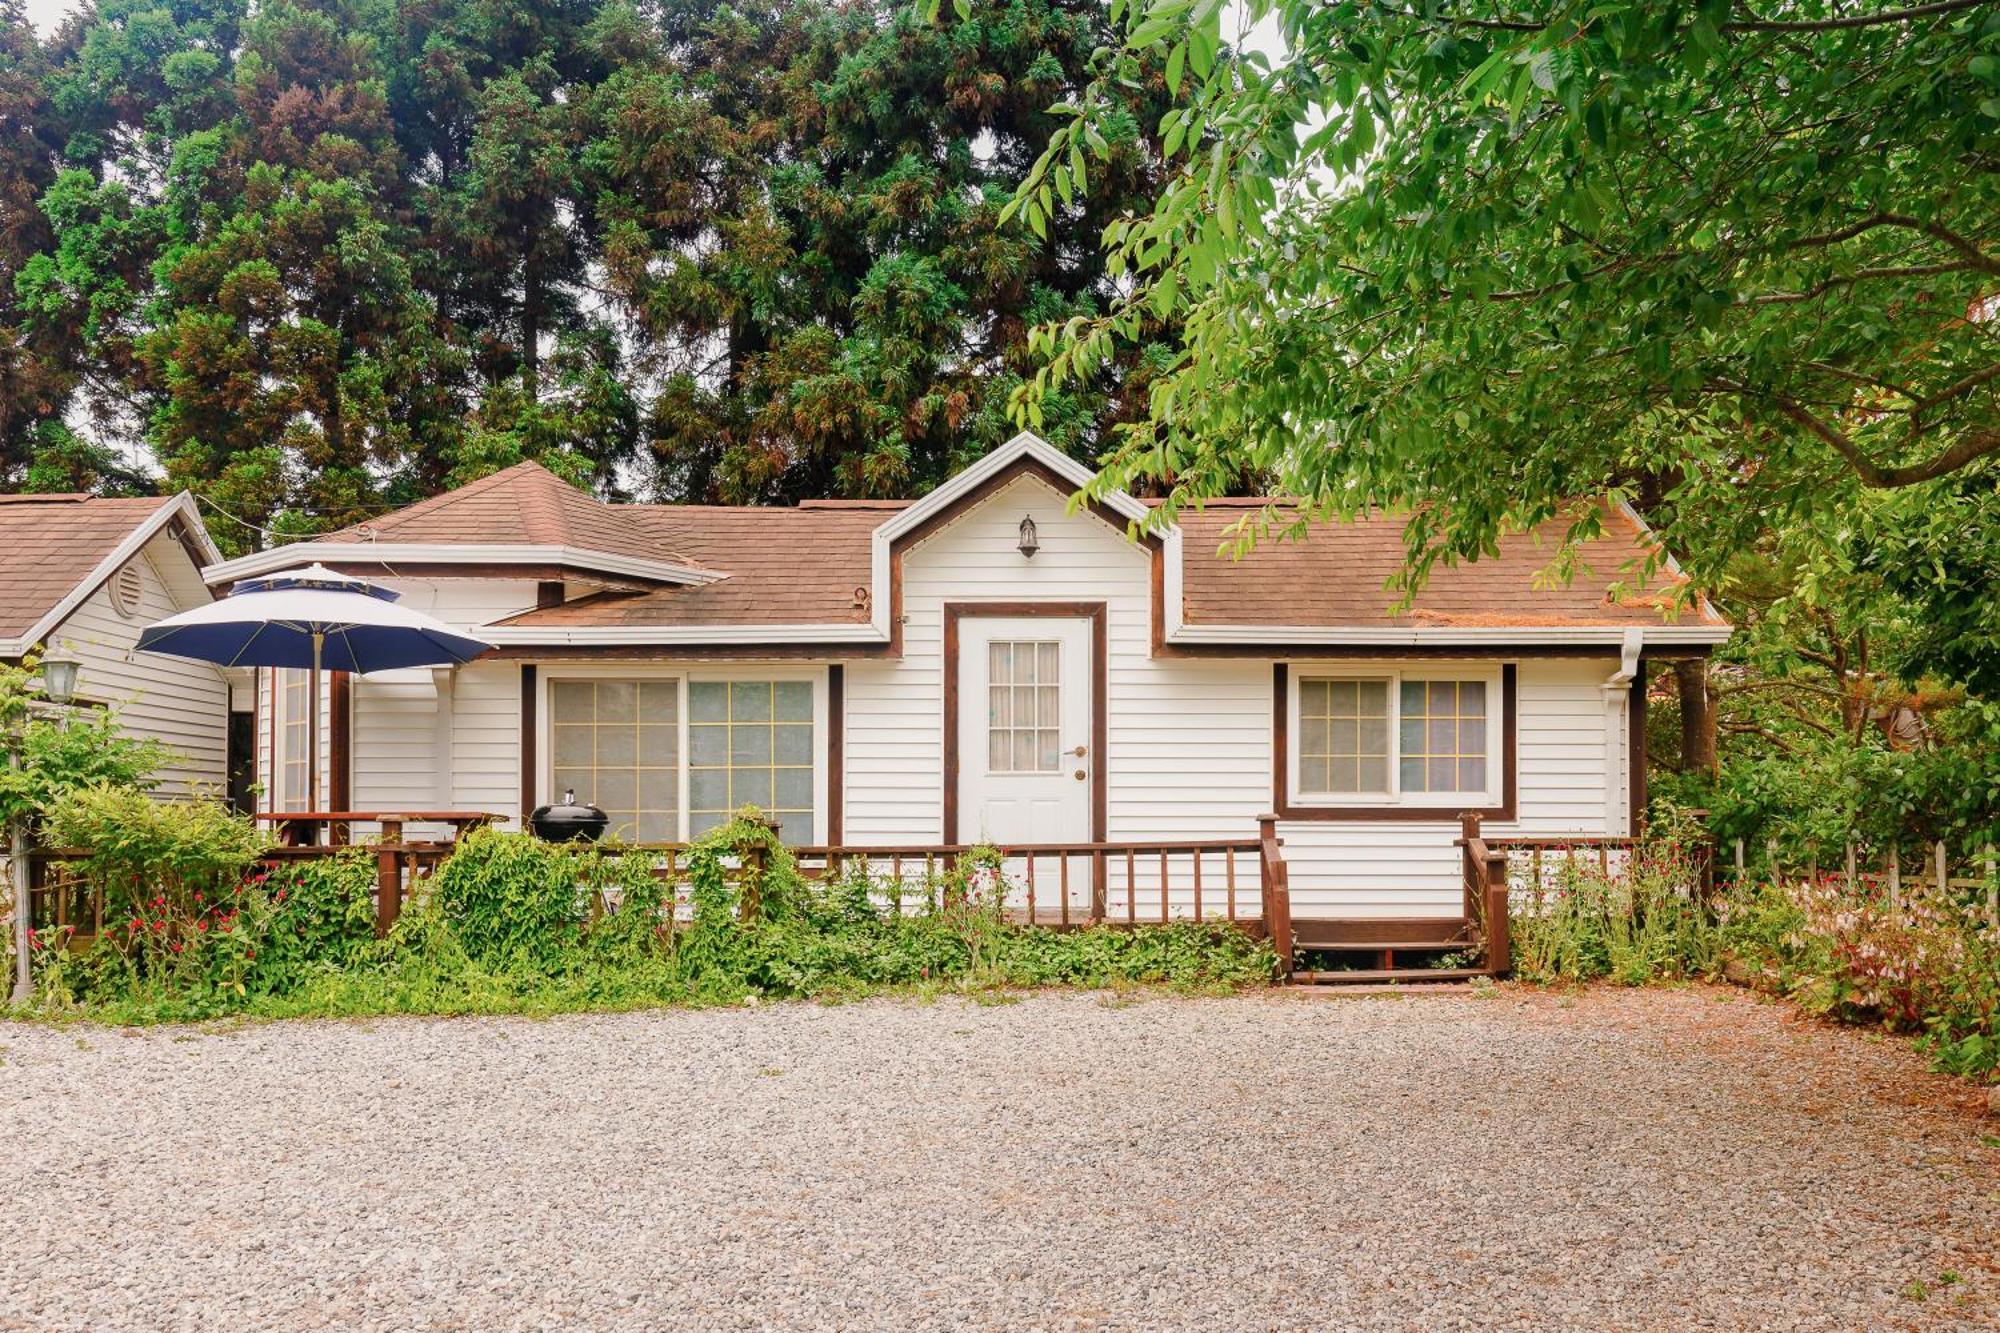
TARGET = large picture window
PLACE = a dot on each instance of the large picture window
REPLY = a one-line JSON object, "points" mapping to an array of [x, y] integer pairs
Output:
{"points": [[1394, 737], [750, 742], [669, 757]]}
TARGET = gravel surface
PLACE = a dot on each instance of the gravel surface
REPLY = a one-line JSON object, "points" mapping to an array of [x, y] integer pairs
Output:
{"points": [[1646, 1160]]}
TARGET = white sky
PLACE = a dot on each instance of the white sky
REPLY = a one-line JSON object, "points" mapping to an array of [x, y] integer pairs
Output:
{"points": [[46, 14]]}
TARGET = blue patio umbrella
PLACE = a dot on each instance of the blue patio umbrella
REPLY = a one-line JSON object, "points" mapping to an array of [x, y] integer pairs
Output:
{"points": [[315, 620]]}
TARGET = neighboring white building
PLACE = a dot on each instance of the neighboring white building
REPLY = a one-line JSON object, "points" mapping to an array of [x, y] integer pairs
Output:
{"points": [[89, 573], [893, 675]]}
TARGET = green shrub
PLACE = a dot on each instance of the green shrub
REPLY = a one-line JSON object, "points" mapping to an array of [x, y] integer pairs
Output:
{"points": [[309, 915], [1644, 921], [514, 900]]}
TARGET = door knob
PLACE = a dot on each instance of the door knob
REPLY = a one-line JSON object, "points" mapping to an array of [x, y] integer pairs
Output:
{"points": [[1079, 775], [1078, 752]]}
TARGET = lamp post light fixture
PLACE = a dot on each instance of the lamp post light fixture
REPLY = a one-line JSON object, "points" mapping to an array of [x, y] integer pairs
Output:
{"points": [[1029, 542], [60, 669]]}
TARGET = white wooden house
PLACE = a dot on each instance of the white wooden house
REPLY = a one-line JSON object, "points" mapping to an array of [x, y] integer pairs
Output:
{"points": [[87, 574], [994, 663]]}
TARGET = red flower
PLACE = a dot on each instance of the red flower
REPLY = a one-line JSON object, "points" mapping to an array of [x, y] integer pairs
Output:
{"points": [[201, 925]]}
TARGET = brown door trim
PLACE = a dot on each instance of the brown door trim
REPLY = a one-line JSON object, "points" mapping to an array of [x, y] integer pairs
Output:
{"points": [[1100, 688]]}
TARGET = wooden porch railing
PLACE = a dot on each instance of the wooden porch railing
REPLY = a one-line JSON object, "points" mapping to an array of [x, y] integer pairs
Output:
{"points": [[1276, 883], [60, 896], [1060, 885], [1237, 881]]}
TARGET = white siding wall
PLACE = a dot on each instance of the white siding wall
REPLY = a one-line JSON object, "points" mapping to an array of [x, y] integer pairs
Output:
{"points": [[183, 704], [415, 751]]}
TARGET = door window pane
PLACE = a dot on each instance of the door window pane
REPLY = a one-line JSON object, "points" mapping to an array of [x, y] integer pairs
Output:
{"points": [[1343, 736], [616, 744], [1024, 706], [750, 742], [1444, 736]]}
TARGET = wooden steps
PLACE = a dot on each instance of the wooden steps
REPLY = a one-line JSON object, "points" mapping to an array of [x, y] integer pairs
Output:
{"points": [[1378, 940]]}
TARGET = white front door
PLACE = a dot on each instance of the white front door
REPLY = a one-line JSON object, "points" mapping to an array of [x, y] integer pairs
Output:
{"points": [[1024, 760]]}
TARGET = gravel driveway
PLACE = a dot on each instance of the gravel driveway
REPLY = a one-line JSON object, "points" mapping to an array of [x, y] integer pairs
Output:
{"points": [[1691, 1159]]}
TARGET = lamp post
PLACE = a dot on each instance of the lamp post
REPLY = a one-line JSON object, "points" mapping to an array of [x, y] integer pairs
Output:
{"points": [[60, 670]]}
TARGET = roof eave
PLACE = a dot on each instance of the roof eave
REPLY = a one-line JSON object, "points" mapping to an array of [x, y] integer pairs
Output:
{"points": [[1470, 635], [613, 636], [499, 554]]}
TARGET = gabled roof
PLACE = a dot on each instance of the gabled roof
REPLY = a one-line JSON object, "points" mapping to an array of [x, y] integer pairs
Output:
{"points": [[786, 567], [821, 573], [61, 548], [521, 515]]}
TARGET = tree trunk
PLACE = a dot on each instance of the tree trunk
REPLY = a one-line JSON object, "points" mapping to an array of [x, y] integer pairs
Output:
{"points": [[1697, 715]]}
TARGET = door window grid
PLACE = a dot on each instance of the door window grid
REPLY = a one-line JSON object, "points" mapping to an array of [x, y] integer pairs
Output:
{"points": [[1343, 736], [1443, 735], [1024, 706], [750, 742], [616, 744]]}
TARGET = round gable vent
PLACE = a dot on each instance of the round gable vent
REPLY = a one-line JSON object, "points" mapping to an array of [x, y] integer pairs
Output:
{"points": [[127, 586]]}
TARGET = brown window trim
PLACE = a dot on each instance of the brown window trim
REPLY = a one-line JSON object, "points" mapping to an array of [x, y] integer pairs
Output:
{"points": [[1100, 689], [1281, 767]]}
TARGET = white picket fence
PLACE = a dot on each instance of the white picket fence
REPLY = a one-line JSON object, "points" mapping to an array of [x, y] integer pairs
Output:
{"points": [[1972, 876]]}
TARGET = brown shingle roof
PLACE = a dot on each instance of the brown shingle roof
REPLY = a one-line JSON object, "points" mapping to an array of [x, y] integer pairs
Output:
{"points": [[524, 503], [52, 542], [1336, 575], [811, 564], [803, 566]]}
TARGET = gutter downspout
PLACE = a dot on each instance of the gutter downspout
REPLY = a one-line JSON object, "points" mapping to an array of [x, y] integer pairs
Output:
{"points": [[1618, 775]]}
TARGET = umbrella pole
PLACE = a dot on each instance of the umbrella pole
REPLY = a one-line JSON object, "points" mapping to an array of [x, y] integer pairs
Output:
{"points": [[312, 743]]}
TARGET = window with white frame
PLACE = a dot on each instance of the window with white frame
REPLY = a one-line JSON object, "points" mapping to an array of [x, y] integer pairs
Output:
{"points": [[292, 732], [750, 742], [617, 745], [1393, 736]]}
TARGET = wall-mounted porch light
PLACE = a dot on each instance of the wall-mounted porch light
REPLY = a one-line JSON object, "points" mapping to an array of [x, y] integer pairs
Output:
{"points": [[1029, 542]]}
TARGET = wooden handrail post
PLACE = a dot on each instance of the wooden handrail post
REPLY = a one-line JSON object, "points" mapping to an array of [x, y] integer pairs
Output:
{"points": [[1468, 833], [388, 877], [754, 861], [1277, 893]]}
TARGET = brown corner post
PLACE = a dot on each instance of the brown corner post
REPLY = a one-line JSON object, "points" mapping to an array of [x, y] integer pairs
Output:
{"points": [[1275, 879], [388, 876]]}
